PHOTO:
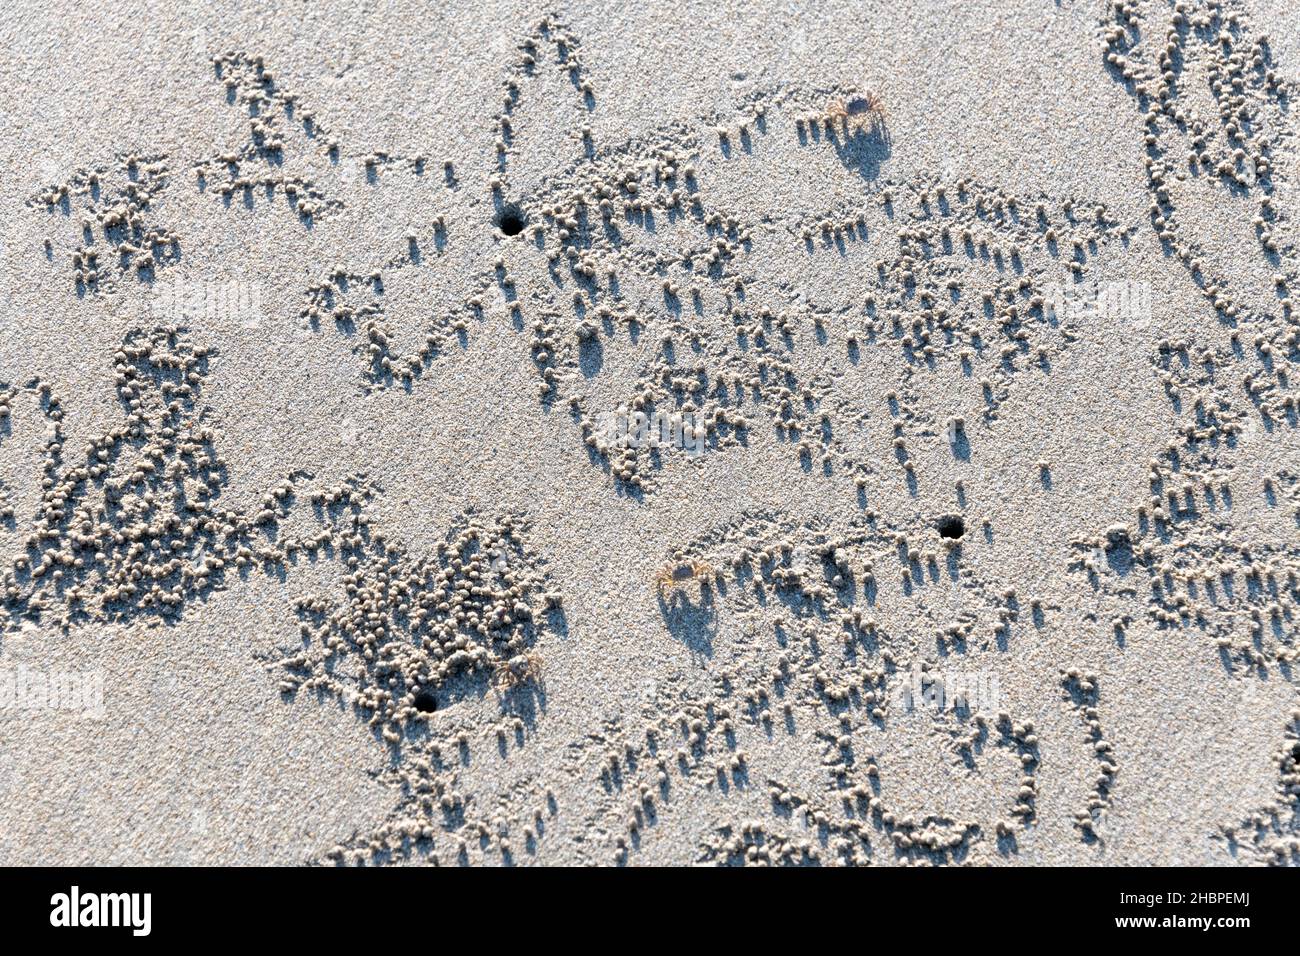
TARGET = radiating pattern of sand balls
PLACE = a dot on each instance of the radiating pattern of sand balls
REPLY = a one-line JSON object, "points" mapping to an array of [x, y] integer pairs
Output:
{"points": [[917, 309]]}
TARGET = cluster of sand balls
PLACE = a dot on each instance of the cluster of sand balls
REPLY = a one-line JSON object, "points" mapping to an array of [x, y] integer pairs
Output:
{"points": [[414, 624], [543, 351], [1184, 540], [1192, 558], [354, 302], [563, 227], [437, 821], [706, 394], [832, 578], [753, 843], [566, 46], [1239, 150], [966, 283], [1195, 377], [380, 159], [698, 367], [115, 200], [1081, 689], [1271, 829], [113, 205], [663, 385], [804, 679], [835, 839], [1288, 761], [1022, 736], [717, 378], [691, 740], [117, 534], [258, 163], [915, 838], [1017, 737], [374, 344], [633, 190], [688, 741], [137, 528]]}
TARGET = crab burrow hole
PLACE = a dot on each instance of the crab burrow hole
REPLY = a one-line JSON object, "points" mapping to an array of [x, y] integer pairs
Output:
{"points": [[951, 527], [511, 220]]}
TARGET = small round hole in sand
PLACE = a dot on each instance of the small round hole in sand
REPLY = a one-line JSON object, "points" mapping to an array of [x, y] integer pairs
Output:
{"points": [[425, 702], [951, 526], [510, 220]]}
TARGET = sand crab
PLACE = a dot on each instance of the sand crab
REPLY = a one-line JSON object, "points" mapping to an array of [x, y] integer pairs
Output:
{"points": [[677, 573], [517, 671], [862, 112]]}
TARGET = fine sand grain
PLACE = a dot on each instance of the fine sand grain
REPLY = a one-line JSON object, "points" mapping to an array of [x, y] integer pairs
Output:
{"points": [[491, 433]]}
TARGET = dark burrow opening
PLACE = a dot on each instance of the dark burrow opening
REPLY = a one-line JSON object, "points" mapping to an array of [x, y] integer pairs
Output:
{"points": [[425, 702], [951, 526], [510, 220]]}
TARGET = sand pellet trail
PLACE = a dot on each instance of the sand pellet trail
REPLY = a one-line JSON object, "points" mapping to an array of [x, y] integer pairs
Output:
{"points": [[705, 433]]}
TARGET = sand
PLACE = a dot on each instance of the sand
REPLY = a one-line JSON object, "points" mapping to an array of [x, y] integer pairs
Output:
{"points": [[966, 529]]}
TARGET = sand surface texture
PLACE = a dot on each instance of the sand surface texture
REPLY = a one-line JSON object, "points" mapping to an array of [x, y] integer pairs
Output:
{"points": [[333, 528]]}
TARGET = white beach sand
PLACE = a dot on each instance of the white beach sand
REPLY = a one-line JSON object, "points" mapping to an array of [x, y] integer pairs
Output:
{"points": [[312, 549]]}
